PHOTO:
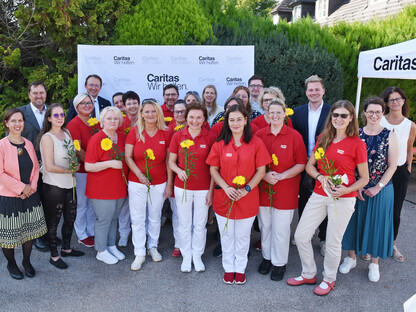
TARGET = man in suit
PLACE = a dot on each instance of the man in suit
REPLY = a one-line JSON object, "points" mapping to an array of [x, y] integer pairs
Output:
{"points": [[93, 85], [34, 114], [309, 119]]}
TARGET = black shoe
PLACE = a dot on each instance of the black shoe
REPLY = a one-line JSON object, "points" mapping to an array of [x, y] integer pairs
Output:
{"points": [[41, 244], [277, 273], [217, 251], [73, 253], [29, 270], [265, 266], [14, 271], [60, 264]]}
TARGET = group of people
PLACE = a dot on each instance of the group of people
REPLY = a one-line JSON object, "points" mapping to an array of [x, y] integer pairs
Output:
{"points": [[109, 168]]}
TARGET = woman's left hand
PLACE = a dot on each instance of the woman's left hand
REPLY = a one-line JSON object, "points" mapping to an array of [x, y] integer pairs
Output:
{"points": [[339, 190]]}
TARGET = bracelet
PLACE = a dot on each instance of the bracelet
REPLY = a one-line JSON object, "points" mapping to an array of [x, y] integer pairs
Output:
{"points": [[319, 174]]}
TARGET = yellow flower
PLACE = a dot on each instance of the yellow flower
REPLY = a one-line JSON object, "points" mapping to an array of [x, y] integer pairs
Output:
{"points": [[92, 121], [187, 143], [275, 160], [127, 130], [122, 114], [76, 145], [289, 111], [239, 180], [168, 119], [177, 128], [150, 154], [319, 153], [221, 119], [106, 144]]}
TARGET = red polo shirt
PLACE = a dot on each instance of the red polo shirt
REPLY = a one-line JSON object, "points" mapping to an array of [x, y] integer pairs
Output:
{"points": [[200, 177], [108, 183], [159, 143], [290, 150], [166, 111], [238, 161], [260, 122]]}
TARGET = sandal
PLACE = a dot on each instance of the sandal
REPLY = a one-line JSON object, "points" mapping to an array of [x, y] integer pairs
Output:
{"points": [[397, 255]]}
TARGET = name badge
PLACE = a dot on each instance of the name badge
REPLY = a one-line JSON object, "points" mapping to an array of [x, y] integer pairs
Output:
{"points": [[229, 155], [162, 142], [283, 146], [202, 146], [340, 152]]}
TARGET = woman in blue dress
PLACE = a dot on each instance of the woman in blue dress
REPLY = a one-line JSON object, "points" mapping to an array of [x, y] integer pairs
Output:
{"points": [[370, 229]]}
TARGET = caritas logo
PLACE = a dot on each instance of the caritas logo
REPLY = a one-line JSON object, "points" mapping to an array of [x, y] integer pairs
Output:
{"points": [[122, 60]]}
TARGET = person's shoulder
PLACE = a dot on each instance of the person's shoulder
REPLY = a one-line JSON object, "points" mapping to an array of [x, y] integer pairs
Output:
{"points": [[24, 108], [262, 132], [103, 100], [300, 108]]}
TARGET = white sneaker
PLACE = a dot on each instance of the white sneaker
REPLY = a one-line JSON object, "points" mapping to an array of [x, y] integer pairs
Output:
{"points": [[116, 253], [322, 244], [198, 264], [137, 263], [186, 265], [106, 257], [156, 256], [347, 265], [293, 242], [373, 272], [122, 242]]}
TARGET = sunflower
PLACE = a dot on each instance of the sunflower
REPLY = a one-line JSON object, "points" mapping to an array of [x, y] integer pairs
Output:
{"points": [[239, 180], [319, 153], [150, 154], [275, 160], [106, 144], [76, 145]]}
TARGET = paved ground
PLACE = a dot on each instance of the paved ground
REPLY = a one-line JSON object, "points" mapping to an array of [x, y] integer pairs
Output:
{"points": [[89, 285]]}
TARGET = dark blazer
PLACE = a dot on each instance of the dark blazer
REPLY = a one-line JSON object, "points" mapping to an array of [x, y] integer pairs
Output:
{"points": [[300, 121], [101, 103], [31, 129]]}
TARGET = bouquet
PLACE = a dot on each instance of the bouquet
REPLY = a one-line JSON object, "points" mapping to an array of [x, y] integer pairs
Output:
{"points": [[116, 154], [189, 164], [239, 181], [72, 158]]}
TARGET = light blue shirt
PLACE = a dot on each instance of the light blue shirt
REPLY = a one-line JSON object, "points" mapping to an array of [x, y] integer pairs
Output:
{"points": [[38, 115], [313, 118]]}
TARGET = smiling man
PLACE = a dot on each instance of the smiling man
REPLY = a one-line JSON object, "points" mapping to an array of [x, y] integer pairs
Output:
{"points": [[170, 96], [255, 85]]}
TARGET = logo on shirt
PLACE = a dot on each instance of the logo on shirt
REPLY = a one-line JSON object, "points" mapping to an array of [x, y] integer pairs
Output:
{"points": [[202, 146], [340, 152], [162, 142], [283, 146], [229, 155]]}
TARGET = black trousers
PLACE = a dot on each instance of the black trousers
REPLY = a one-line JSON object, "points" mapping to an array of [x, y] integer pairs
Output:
{"points": [[58, 201], [400, 182]]}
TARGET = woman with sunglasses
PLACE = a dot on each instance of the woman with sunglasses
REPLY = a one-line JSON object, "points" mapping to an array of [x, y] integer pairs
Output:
{"points": [[341, 148], [396, 118], [265, 97], [57, 183], [80, 130], [209, 100], [370, 229], [192, 97]]}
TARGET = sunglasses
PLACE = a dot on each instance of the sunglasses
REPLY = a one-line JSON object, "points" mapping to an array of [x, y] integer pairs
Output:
{"points": [[343, 116], [56, 116]]}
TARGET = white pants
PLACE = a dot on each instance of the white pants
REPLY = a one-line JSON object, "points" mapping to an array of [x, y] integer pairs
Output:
{"points": [[85, 219], [192, 215], [317, 208], [145, 215], [275, 234], [235, 243], [175, 221], [124, 223]]}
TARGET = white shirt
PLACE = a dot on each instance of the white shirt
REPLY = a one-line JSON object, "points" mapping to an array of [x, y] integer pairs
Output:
{"points": [[313, 118], [38, 115], [97, 108]]}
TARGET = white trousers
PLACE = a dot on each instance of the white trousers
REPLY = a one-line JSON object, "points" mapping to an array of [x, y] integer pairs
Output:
{"points": [[235, 243], [317, 208], [175, 221], [192, 216], [145, 216], [275, 234], [85, 219], [124, 223]]}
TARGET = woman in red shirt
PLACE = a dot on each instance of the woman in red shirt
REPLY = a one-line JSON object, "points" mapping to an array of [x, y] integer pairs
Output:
{"points": [[236, 153], [132, 102], [276, 210], [148, 188], [339, 143], [106, 186], [193, 185]]}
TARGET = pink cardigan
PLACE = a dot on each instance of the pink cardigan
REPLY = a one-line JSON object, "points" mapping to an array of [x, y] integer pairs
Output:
{"points": [[10, 184]]}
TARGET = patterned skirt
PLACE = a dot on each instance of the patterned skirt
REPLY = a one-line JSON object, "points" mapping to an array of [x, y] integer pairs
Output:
{"points": [[21, 220]]}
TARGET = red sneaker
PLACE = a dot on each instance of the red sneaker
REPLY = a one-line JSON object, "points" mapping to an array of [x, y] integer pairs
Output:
{"points": [[300, 280], [228, 278], [176, 252], [324, 291], [257, 246], [240, 278], [87, 242]]}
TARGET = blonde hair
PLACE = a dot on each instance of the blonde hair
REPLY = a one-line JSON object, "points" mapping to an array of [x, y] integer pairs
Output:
{"points": [[214, 103], [314, 78], [78, 99], [140, 124], [113, 109], [271, 90]]}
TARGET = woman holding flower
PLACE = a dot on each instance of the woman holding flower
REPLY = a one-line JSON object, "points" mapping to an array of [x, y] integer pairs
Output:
{"points": [[279, 189], [58, 184], [193, 189], [81, 130], [106, 185], [150, 182], [235, 154], [178, 122], [338, 151]]}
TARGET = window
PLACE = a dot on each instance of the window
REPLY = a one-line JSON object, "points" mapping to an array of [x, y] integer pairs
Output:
{"points": [[297, 13], [322, 8]]}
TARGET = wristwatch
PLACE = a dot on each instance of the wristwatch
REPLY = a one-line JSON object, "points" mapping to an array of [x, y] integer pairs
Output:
{"points": [[247, 188], [380, 184]]}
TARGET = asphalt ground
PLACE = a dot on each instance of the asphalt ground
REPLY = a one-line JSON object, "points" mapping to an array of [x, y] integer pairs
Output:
{"points": [[90, 285]]}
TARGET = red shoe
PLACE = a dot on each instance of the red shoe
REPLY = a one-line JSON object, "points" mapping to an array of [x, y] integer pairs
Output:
{"points": [[258, 245], [176, 252], [228, 278], [87, 242], [322, 292], [300, 280], [240, 278], [92, 237]]}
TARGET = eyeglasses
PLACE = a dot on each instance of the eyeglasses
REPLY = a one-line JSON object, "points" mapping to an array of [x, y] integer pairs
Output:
{"points": [[171, 94], [149, 100], [253, 86], [91, 85], [179, 112], [267, 100], [56, 116], [86, 104], [396, 100], [275, 113], [343, 116], [371, 113], [191, 92]]}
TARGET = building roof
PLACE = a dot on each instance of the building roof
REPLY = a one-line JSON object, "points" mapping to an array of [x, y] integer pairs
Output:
{"points": [[282, 7]]}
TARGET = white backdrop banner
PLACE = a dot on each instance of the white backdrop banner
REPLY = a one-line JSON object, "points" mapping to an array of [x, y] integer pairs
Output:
{"points": [[147, 69]]}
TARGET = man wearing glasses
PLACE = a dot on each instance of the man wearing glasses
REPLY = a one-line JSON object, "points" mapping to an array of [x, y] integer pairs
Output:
{"points": [[170, 96], [93, 85], [255, 85]]}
